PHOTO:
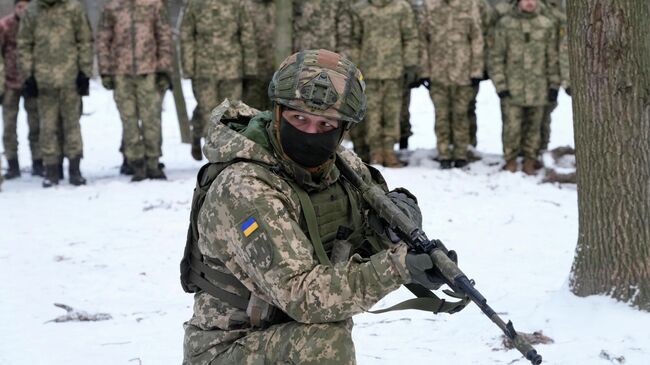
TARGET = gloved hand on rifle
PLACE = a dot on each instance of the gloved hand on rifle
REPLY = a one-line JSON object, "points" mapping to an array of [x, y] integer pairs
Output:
{"points": [[422, 272], [407, 203]]}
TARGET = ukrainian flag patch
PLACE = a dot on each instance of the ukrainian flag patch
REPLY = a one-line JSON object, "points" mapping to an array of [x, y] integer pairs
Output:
{"points": [[249, 226]]}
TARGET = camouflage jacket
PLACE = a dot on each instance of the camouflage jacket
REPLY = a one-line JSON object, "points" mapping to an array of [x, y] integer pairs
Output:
{"points": [[276, 260], [8, 33], [218, 40], [134, 38], [453, 41], [263, 13], [323, 24], [55, 43], [524, 58], [387, 37], [554, 11]]}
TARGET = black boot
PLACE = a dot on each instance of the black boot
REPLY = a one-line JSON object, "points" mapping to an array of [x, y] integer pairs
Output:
{"points": [[445, 164], [460, 163], [196, 149], [75, 174], [60, 169], [51, 176], [37, 167], [13, 171], [125, 169], [404, 143], [139, 170], [154, 171]]}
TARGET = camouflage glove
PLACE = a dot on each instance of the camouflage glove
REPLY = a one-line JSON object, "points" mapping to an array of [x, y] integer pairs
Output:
{"points": [[552, 95], [31, 87], [107, 82], [411, 76], [83, 84], [504, 94], [420, 267], [163, 82]]}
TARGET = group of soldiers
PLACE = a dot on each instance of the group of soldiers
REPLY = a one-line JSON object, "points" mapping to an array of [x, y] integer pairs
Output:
{"points": [[449, 46]]}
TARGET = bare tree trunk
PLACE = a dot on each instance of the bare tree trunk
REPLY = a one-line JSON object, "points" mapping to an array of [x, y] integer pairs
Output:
{"points": [[609, 44]]}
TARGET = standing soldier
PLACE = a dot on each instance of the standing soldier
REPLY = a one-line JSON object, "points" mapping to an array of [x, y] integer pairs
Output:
{"points": [[525, 72], [325, 24], [55, 55], [255, 90], [219, 53], [13, 89], [387, 38], [454, 42], [134, 54]]}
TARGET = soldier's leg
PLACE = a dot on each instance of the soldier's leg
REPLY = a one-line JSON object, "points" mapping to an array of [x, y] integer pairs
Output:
{"points": [[511, 134], [441, 103], [391, 106], [358, 137], [462, 97], [255, 93], [9, 136], [531, 139], [294, 343], [471, 115], [133, 146], [49, 138], [206, 96], [73, 145], [405, 118], [148, 106], [545, 129], [374, 138], [33, 121]]}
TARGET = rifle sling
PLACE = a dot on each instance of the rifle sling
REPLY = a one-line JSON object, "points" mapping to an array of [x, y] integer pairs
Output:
{"points": [[426, 301]]}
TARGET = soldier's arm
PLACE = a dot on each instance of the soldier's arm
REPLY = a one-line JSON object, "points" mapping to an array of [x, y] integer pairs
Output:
{"points": [[187, 40], [247, 38], [25, 44], [84, 38], [356, 35], [410, 37], [476, 37], [564, 53], [552, 60], [163, 34], [344, 29], [104, 40], [278, 257], [497, 63]]}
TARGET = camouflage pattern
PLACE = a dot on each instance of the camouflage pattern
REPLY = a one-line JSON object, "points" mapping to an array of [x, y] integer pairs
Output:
{"points": [[10, 106], [209, 93], [545, 126], [256, 90], [453, 41], [386, 35], [134, 38], [139, 105], [405, 116], [520, 132], [382, 118], [325, 24], [524, 58], [452, 124], [218, 40], [276, 262], [55, 36], [8, 33], [59, 110]]}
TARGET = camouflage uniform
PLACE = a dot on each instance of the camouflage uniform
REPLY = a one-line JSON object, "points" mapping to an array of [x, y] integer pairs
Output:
{"points": [[134, 47], [325, 24], [12, 94], [255, 90], [387, 38], [276, 262], [55, 47], [218, 51], [524, 62], [454, 43]]}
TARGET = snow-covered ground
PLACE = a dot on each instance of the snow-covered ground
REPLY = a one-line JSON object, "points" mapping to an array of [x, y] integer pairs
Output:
{"points": [[114, 247]]}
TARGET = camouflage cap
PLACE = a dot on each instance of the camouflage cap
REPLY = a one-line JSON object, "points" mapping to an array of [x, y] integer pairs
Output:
{"points": [[320, 82]]}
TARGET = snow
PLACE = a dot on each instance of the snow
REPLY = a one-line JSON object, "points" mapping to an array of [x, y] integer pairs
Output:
{"points": [[114, 247]]}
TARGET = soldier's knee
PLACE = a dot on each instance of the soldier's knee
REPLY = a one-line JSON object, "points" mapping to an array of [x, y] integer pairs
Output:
{"points": [[329, 343]]}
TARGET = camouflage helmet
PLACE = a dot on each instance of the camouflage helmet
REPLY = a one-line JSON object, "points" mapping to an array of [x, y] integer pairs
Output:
{"points": [[320, 82]]}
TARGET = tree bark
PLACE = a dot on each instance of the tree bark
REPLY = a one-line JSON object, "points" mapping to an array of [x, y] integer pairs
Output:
{"points": [[609, 44]]}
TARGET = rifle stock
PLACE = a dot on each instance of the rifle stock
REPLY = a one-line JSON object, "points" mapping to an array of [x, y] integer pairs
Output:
{"points": [[417, 241]]}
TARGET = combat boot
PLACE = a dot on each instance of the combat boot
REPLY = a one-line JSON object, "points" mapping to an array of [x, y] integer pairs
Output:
{"points": [[13, 170], [196, 149], [37, 167], [538, 163], [445, 164], [51, 176], [510, 166], [139, 170], [376, 158], [75, 173], [125, 169], [529, 167], [460, 163], [391, 160], [154, 171]]}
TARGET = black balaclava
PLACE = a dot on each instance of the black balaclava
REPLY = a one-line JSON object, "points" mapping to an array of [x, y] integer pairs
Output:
{"points": [[309, 149]]}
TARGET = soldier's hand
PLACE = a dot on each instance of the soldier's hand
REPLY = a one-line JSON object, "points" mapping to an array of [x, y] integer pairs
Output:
{"points": [[83, 84], [504, 94], [552, 95], [411, 76], [30, 89], [420, 267], [163, 81], [107, 82], [407, 203]]}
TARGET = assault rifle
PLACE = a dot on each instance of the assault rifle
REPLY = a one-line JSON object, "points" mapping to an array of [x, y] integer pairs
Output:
{"points": [[417, 240]]}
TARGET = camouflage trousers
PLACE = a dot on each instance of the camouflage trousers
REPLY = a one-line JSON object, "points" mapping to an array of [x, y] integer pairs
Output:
{"points": [[288, 343], [358, 137], [139, 104], [405, 114], [209, 94], [383, 116], [521, 131], [59, 110], [10, 106], [256, 93], [545, 137], [471, 115], [452, 125]]}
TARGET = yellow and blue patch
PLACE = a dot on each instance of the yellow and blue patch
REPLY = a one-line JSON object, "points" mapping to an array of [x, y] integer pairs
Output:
{"points": [[249, 226]]}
